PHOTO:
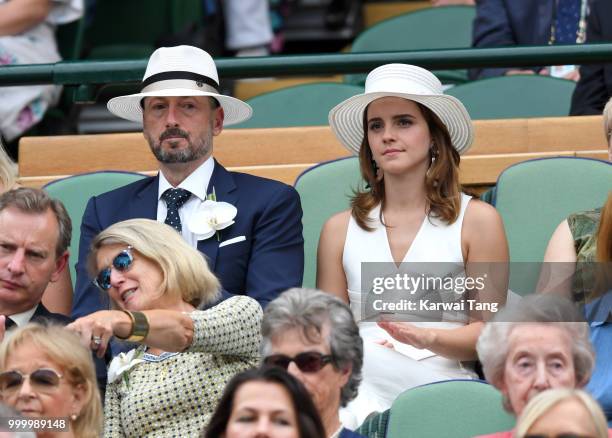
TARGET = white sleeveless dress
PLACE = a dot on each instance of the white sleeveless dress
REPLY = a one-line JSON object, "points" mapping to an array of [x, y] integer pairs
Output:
{"points": [[388, 372]]}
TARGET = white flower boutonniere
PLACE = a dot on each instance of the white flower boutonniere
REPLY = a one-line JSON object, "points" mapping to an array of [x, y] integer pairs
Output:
{"points": [[211, 217], [123, 363]]}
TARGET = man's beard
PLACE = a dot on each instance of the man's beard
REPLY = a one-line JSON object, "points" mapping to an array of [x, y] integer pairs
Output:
{"points": [[195, 149]]}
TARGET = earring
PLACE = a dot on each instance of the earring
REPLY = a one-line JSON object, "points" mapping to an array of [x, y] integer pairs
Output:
{"points": [[433, 152], [73, 417]]}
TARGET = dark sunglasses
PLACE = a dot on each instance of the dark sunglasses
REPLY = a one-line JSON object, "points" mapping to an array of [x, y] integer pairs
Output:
{"points": [[43, 380], [122, 262], [308, 362]]}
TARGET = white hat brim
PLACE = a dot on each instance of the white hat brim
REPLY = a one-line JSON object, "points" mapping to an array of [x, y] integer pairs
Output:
{"points": [[346, 118], [128, 107]]}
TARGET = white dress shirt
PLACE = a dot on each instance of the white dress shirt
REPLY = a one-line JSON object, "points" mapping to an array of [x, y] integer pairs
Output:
{"points": [[197, 184], [23, 318]]}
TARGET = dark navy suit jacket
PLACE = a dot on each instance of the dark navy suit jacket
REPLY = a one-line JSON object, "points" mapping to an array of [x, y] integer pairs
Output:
{"points": [[42, 315], [508, 23], [595, 85], [269, 261], [345, 433]]}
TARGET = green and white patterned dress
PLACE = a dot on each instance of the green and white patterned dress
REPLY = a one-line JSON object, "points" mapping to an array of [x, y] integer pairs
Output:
{"points": [[174, 394]]}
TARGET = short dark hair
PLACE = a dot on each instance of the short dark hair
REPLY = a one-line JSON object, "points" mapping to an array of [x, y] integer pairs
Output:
{"points": [[37, 201], [308, 421]]}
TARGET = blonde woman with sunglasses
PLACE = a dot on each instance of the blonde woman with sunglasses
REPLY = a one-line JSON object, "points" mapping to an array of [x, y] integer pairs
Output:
{"points": [[48, 376], [171, 383]]}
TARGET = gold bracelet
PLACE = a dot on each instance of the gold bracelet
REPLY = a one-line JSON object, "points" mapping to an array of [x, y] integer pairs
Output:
{"points": [[140, 327]]}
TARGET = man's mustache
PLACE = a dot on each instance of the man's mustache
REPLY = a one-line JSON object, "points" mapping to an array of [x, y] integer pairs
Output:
{"points": [[173, 132]]}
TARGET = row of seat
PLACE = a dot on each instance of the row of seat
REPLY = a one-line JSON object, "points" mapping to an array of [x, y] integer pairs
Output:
{"points": [[501, 97], [532, 198], [453, 408]]}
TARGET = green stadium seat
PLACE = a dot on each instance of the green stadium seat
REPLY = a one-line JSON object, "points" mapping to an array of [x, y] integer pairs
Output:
{"points": [[515, 96], [446, 27], [325, 189], [76, 190], [131, 29], [534, 196], [70, 39], [300, 105], [452, 408]]}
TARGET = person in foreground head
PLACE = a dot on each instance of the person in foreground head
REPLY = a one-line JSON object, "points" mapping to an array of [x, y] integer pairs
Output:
{"points": [[169, 385], [562, 412], [314, 337], [409, 137], [45, 373], [248, 227], [265, 402], [537, 343]]}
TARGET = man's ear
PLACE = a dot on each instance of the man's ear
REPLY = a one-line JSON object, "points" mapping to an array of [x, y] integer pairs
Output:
{"points": [[218, 116], [60, 264]]}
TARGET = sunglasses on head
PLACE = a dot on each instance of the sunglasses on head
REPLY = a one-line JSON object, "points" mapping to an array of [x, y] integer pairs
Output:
{"points": [[122, 262], [308, 362], [43, 380]]}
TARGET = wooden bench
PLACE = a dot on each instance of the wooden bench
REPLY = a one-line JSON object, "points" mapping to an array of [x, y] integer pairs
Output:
{"points": [[283, 153]]}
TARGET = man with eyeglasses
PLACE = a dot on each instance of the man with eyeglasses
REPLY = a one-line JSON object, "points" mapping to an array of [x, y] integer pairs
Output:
{"points": [[314, 337]]}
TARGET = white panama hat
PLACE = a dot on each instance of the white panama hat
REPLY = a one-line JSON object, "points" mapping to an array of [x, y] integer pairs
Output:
{"points": [[409, 82], [180, 71]]}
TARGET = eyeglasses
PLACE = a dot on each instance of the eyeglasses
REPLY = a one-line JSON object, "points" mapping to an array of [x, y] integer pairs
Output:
{"points": [[41, 380], [122, 262], [308, 362]]}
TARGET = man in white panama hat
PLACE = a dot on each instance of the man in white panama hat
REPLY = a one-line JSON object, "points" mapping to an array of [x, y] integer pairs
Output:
{"points": [[251, 235]]}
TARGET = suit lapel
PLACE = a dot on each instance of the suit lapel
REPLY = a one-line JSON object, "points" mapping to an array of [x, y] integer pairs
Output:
{"points": [[144, 204], [225, 190]]}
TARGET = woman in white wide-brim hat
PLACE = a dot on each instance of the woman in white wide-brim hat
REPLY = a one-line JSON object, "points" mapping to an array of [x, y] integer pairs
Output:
{"points": [[411, 217]]}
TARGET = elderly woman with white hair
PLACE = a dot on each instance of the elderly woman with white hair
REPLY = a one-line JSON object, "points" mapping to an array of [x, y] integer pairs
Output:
{"points": [[171, 383], [537, 343]]}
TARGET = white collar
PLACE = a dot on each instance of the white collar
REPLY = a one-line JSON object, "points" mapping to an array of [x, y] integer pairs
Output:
{"points": [[23, 318], [196, 182]]}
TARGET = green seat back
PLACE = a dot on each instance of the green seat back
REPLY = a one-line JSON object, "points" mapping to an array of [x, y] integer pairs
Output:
{"points": [[534, 196], [324, 189], [70, 39], [453, 408], [75, 191], [515, 96], [131, 29], [300, 105], [446, 27]]}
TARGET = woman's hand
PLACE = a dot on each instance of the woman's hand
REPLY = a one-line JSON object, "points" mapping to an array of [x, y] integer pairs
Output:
{"points": [[409, 334], [96, 329], [385, 343]]}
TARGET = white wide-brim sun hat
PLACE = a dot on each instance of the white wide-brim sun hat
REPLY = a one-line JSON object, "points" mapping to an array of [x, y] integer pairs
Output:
{"points": [[180, 71], [409, 82]]}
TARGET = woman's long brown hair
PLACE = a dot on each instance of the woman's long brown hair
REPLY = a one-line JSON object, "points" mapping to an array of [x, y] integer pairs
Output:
{"points": [[604, 232], [442, 188]]}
